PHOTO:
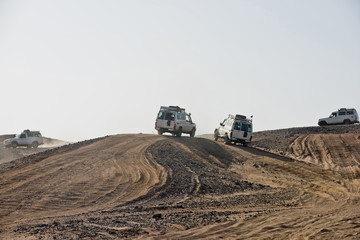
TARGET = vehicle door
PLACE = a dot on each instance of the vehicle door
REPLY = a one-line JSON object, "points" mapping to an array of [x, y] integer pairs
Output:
{"points": [[342, 116], [229, 126], [181, 121], [246, 130], [23, 139], [189, 123], [165, 119], [333, 118], [237, 132], [221, 130]]}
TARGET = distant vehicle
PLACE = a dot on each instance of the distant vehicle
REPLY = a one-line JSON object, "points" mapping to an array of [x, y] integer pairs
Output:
{"points": [[174, 120], [26, 138], [341, 116], [236, 129]]}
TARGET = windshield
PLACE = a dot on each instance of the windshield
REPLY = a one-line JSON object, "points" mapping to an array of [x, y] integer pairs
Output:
{"points": [[166, 115]]}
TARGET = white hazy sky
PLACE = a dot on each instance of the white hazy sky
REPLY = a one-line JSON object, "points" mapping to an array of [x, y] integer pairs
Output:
{"points": [[82, 69]]}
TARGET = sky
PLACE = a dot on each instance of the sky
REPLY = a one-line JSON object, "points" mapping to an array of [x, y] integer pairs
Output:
{"points": [[83, 69]]}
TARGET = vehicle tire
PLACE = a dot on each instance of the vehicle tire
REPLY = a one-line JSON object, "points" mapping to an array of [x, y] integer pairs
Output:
{"points": [[347, 121], [179, 132], [226, 139], [216, 135], [160, 132], [35, 144], [192, 133], [14, 144], [322, 123]]}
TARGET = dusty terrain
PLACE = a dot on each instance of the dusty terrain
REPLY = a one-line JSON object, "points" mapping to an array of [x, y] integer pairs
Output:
{"points": [[9, 154], [304, 186], [331, 147]]}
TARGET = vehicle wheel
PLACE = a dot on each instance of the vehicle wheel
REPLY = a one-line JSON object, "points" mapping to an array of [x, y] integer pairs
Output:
{"points": [[322, 123], [192, 133], [14, 144], [347, 121], [160, 132], [216, 135], [226, 139], [35, 144], [179, 132]]}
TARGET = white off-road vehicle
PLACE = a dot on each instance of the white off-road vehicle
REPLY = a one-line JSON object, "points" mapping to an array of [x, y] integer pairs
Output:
{"points": [[26, 138], [174, 120], [341, 116], [235, 129]]}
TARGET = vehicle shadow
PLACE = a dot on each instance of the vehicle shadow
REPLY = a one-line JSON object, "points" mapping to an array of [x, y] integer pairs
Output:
{"points": [[264, 153]]}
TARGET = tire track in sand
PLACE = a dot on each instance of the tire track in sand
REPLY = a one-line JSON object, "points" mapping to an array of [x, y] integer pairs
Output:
{"points": [[99, 176]]}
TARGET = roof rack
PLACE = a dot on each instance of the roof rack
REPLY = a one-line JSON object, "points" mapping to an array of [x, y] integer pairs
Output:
{"points": [[172, 108], [346, 109], [237, 117], [240, 117]]}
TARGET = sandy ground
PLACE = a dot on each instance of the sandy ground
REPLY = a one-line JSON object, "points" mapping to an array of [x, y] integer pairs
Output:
{"points": [[163, 187]]}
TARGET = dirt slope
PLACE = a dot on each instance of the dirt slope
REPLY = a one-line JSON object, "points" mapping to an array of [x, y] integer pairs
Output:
{"points": [[162, 187], [331, 147]]}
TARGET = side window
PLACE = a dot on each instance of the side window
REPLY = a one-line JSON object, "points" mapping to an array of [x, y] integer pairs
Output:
{"points": [[188, 119], [22, 136], [180, 116], [161, 115], [341, 113], [350, 112]]}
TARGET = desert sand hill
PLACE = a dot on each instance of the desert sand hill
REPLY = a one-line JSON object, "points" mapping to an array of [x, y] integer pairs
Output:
{"points": [[163, 187], [331, 147]]}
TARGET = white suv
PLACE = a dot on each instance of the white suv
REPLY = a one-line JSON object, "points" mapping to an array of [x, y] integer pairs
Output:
{"points": [[174, 120], [341, 116], [26, 138], [236, 129]]}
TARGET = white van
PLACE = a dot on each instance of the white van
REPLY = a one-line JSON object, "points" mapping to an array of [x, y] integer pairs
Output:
{"points": [[26, 138], [174, 120], [341, 116], [235, 129]]}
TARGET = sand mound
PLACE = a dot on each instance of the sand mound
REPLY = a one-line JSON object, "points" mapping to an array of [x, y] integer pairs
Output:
{"points": [[340, 152], [332, 147], [163, 187]]}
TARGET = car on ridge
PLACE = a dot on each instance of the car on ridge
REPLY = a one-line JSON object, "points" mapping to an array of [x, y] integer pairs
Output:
{"points": [[235, 129], [174, 120], [341, 116], [27, 138]]}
